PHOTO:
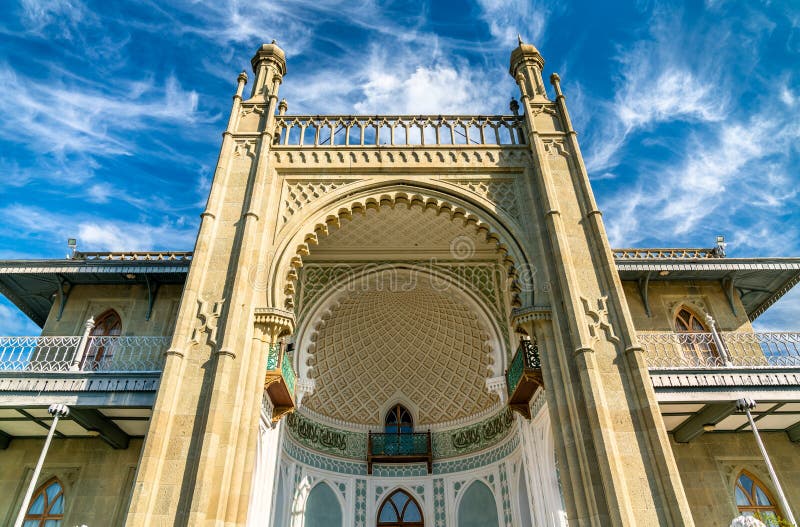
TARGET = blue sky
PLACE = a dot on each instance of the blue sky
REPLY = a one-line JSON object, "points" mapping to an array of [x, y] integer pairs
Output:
{"points": [[688, 114]]}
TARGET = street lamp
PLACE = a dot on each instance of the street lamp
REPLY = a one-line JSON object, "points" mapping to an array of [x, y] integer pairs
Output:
{"points": [[57, 411]]}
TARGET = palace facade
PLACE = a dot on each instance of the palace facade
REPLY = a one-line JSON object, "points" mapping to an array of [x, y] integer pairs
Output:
{"points": [[400, 321]]}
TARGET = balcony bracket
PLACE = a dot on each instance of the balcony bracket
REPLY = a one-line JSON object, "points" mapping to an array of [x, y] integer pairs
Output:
{"points": [[711, 414], [92, 420], [62, 291], [152, 293], [729, 286], [794, 433], [5, 440], [644, 283]]}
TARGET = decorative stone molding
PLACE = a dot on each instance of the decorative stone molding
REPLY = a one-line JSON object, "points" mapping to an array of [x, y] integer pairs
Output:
{"points": [[502, 193], [299, 193], [529, 314], [498, 385], [389, 158]]}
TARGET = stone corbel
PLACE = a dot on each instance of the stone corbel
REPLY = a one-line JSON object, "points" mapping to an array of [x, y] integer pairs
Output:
{"points": [[272, 324], [498, 385], [304, 387]]}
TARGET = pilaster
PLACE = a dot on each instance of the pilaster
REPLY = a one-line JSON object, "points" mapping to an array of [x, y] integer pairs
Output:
{"points": [[617, 465]]}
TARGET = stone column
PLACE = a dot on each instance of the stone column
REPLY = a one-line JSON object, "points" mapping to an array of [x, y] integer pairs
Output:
{"points": [[196, 465], [612, 446]]}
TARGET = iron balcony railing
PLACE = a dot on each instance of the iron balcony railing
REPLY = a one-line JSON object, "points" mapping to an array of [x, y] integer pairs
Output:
{"points": [[723, 349], [72, 353], [526, 358], [279, 381], [399, 448], [398, 130]]}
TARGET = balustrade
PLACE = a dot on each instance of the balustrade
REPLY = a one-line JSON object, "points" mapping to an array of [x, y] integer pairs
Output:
{"points": [[279, 381], [524, 377], [399, 448], [403, 130]]}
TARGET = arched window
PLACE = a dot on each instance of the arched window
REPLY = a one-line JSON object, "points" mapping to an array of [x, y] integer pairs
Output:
{"points": [[47, 506], [695, 339], [101, 347], [399, 420], [752, 498], [400, 509]]}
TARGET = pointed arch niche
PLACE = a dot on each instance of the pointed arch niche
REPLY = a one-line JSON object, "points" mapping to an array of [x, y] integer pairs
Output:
{"points": [[323, 508], [478, 507], [400, 509]]}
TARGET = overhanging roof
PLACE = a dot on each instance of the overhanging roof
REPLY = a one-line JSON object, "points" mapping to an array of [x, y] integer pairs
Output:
{"points": [[33, 285], [759, 282]]}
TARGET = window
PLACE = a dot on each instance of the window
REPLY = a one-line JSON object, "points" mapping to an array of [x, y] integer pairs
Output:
{"points": [[101, 348], [47, 506], [400, 509], [696, 340], [752, 498], [399, 421]]}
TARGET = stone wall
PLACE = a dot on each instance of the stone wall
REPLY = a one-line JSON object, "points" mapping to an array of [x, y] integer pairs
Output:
{"points": [[710, 464], [703, 297], [129, 301], [97, 479]]}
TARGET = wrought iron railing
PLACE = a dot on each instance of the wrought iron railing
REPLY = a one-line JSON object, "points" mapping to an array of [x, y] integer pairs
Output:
{"points": [[72, 353], [398, 130], [147, 256], [705, 350], [526, 357], [279, 381], [287, 371]]}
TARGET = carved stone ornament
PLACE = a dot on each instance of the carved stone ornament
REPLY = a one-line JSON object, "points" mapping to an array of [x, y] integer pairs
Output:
{"points": [[597, 318], [207, 315], [273, 323]]}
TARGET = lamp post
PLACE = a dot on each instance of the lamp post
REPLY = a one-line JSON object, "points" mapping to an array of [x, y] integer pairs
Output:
{"points": [[57, 411], [746, 404]]}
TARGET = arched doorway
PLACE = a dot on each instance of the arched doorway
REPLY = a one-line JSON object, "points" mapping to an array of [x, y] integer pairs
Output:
{"points": [[400, 509]]}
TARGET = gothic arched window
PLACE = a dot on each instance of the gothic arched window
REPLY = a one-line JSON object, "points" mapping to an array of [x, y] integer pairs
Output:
{"points": [[101, 346], [400, 510], [47, 506], [399, 420], [752, 498], [694, 336]]}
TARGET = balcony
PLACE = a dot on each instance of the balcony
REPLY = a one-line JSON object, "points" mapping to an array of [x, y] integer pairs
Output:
{"points": [[524, 377], [721, 350], [279, 382], [82, 354], [399, 448]]}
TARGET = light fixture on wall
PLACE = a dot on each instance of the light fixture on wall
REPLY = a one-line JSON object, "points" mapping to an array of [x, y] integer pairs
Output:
{"points": [[663, 272]]}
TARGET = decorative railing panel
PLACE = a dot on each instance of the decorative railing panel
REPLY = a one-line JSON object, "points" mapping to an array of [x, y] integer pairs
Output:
{"points": [[666, 254], [72, 353], [400, 130], [179, 256], [399, 448], [736, 349]]}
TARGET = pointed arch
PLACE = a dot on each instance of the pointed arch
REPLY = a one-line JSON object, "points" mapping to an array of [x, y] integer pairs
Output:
{"points": [[686, 320], [46, 508], [400, 509], [753, 497], [323, 507], [695, 337], [101, 346]]}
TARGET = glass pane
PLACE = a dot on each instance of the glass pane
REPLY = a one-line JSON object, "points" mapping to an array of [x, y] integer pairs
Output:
{"points": [[31, 523], [37, 507], [52, 523], [697, 326], [747, 484], [412, 513], [761, 498], [388, 514], [52, 491], [399, 499], [58, 506], [680, 326], [741, 498]]}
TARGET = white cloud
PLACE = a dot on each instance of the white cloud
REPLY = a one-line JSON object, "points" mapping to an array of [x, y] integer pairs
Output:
{"points": [[509, 18], [14, 323], [62, 15]]}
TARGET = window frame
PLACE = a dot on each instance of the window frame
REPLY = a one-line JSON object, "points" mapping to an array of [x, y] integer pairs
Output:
{"points": [[387, 501], [45, 516], [752, 497]]}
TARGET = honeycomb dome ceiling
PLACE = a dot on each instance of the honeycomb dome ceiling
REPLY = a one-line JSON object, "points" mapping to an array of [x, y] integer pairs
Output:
{"points": [[377, 347]]}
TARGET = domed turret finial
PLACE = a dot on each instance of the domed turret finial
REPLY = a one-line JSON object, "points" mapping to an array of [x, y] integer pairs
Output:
{"points": [[519, 39]]}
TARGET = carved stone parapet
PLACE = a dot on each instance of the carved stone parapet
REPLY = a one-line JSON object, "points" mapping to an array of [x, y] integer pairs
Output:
{"points": [[523, 315]]}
